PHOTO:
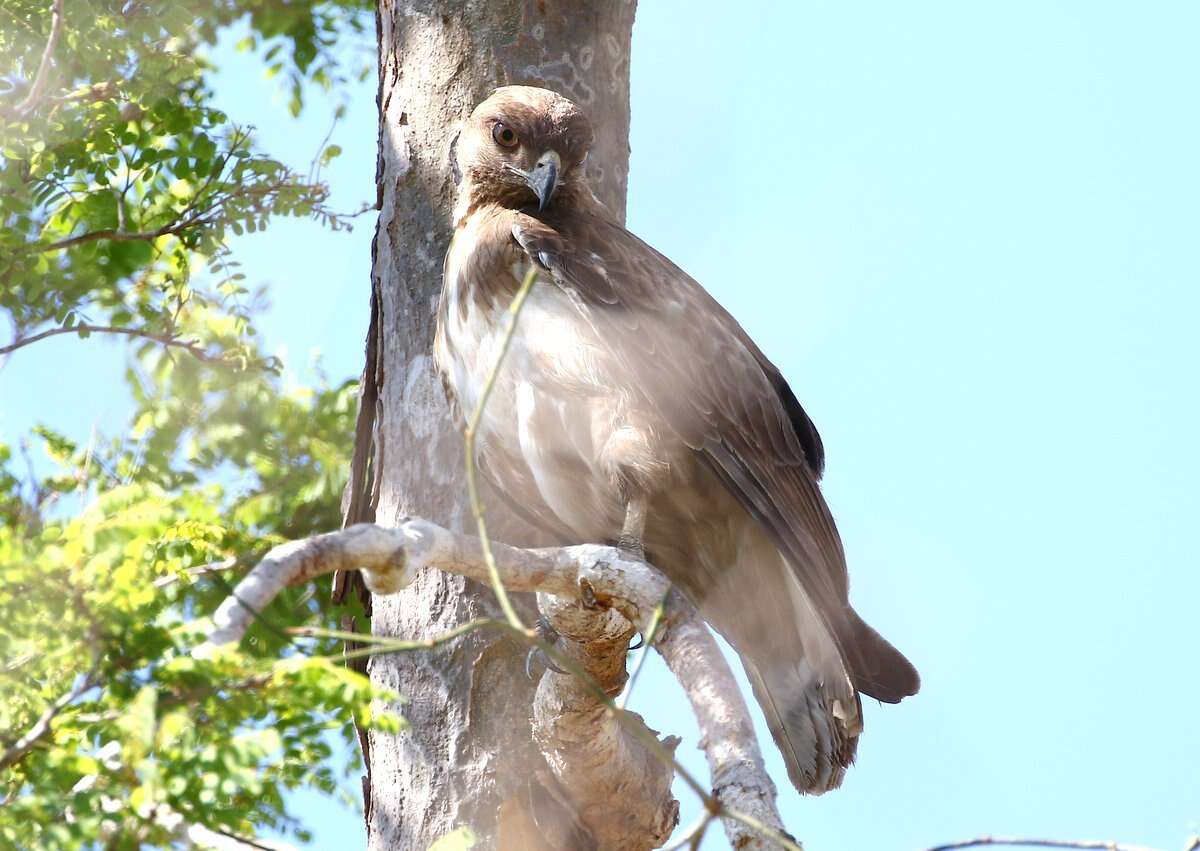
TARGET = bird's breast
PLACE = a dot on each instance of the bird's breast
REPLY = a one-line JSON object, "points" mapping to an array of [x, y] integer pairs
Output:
{"points": [[554, 402]]}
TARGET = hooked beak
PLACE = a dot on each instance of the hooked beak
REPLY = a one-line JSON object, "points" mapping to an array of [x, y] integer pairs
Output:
{"points": [[543, 180]]}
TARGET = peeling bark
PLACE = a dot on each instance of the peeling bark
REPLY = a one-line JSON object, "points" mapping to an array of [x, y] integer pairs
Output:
{"points": [[469, 754], [616, 785]]}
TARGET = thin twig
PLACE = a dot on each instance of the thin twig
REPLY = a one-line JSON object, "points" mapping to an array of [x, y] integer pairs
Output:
{"points": [[514, 312], [21, 661], [194, 572], [17, 751], [647, 643], [631, 724], [1098, 845], [314, 167], [241, 840], [194, 349], [377, 644], [693, 831], [39, 80], [114, 235], [193, 215]]}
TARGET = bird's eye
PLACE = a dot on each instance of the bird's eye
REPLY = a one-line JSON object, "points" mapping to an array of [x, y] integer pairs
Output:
{"points": [[504, 135]]}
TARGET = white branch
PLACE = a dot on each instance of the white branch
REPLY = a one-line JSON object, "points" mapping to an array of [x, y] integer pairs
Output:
{"points": [[15, 752], [391, 557], [596, 599], [207, 839], [739, 779], [34, 96]]}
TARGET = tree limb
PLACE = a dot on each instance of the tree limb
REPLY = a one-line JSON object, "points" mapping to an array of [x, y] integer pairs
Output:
{"points": [[1099, 845], [16, 752], [391, 557], [39, 79], [201, 570], [739, 779], [598, 599], [194, 349], [116, 235], [219, 839], [193, 215]]}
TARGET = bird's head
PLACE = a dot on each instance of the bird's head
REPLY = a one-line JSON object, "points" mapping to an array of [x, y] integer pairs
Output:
{"points": [[524, 147]]}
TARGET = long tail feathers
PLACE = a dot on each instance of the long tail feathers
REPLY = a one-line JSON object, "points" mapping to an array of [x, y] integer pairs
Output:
{"points": [[817, 740]]}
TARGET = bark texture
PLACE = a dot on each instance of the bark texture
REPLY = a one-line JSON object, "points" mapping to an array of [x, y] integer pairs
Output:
{"points": [[469, 755]]}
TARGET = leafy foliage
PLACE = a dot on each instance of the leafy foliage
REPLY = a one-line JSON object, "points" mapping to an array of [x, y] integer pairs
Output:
{"points": [[119, 182], [120, 185], [104, 607], [96, 608]]}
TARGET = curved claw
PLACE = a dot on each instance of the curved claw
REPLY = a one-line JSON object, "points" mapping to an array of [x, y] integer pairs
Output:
{"points": [[536, 653], [641, 642], [547, 634]]}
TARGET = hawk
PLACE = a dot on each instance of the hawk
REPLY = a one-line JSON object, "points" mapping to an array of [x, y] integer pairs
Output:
{"points": [[632, 409]]}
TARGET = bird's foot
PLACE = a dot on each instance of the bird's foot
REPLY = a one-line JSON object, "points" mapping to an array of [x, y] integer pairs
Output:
{"points": [[631, 548], [547, 633]]}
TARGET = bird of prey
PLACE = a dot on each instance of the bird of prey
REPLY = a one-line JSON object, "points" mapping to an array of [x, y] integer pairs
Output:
{"points": [[632, 409]]}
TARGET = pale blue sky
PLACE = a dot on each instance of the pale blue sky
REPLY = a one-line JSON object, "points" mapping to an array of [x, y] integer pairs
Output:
{"points": [[967, 233]]}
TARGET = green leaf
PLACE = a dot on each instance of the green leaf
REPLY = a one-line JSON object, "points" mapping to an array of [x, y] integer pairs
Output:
{"points": [[330, 152], [218, 460]]}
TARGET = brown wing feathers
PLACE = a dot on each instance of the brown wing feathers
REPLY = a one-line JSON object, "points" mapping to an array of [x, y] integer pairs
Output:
{"points": [[750, 429]]}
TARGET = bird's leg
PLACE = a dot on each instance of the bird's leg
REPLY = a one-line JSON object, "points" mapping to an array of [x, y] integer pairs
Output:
{"points": [[630, 542], [630, 545]]}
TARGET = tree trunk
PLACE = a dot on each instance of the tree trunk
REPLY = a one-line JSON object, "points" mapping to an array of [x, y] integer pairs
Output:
{"points": [[468, 757]]}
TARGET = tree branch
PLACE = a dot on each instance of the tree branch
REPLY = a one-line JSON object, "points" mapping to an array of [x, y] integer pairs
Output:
{"points": [[595, 597], [391, 557], [193, 215], [219, 839], [39, 80], [16, 752], [1099, 845], [194, 349], [201, 570], [115, 235], [739, 779]]}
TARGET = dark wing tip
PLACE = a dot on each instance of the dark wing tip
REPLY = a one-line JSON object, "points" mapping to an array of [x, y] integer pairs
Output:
{"points": [[878, 669]]}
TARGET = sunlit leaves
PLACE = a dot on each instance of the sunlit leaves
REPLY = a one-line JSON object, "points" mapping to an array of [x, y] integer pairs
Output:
{"points": [[121, 182], [120, 188], [112, 601]]}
